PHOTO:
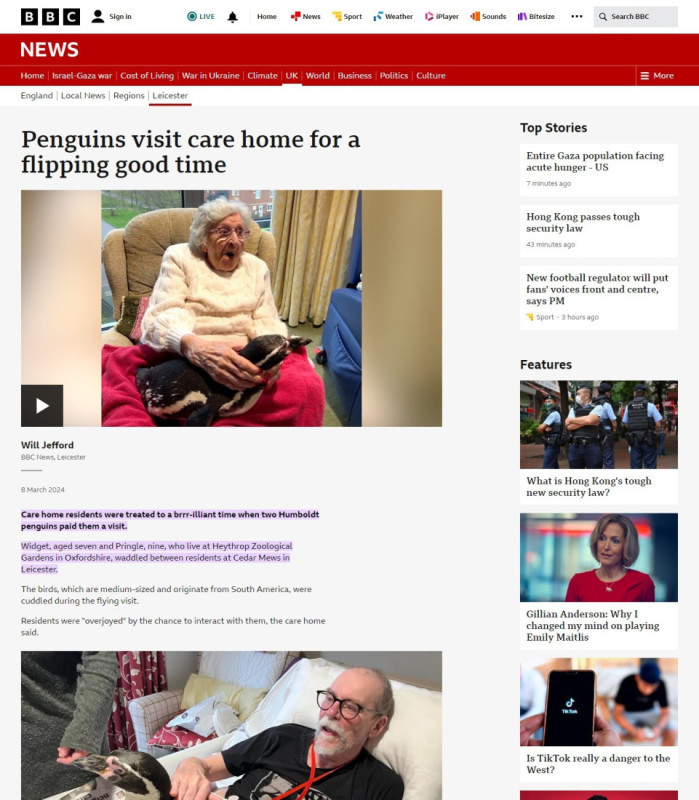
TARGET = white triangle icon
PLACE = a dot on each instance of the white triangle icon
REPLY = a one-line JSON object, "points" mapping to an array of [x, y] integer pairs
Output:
{"points": [[40, 405]]}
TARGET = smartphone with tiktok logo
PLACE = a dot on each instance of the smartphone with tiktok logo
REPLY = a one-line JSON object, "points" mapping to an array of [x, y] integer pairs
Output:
{"points": [[569, 719]]}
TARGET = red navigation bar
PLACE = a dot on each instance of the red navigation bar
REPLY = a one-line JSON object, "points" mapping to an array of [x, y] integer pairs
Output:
{"points": [[349, 59], [347, 76]]}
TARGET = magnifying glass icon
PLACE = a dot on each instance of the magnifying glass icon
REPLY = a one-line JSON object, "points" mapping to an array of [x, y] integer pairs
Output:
{"points": [[603, 16]]}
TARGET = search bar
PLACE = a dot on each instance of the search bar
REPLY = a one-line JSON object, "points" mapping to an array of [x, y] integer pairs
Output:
{"points": [[635, 16]]}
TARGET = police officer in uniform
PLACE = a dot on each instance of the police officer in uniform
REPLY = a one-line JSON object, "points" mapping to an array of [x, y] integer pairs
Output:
{"points": [[551, 430], [608, 422], [642, 419], [584, 431]]}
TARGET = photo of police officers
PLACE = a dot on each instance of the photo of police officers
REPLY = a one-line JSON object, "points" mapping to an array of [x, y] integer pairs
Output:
{"points": [[598, 424]]}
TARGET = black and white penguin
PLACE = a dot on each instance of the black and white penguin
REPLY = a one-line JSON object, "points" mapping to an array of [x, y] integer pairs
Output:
{"points": [[139, 775], [176, 387]]}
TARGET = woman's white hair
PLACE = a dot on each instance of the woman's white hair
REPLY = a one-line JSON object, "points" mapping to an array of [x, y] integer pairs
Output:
{"points": [[209, 214]]}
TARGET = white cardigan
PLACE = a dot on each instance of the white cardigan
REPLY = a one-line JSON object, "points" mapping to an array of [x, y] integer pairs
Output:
{"points": [[191, 297]]}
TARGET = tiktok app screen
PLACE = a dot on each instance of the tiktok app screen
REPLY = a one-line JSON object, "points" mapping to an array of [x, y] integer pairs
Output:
{"points": [[570, 708]]}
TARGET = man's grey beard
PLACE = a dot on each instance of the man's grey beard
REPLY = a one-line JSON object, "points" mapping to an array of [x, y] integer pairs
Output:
{"points": [[339, 745]]}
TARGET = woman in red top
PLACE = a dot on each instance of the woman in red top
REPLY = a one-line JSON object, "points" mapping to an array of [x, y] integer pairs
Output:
{"points": [[614, 543]]}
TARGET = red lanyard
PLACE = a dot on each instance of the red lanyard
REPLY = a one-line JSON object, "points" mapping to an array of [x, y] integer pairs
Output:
{"points": [[306, 785]]}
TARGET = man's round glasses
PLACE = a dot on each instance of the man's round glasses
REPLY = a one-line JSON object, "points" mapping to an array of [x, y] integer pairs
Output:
{"points": [[348, 708], [225, 233]]}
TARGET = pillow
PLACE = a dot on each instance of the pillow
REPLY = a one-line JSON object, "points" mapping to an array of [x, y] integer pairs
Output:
{"points": [[225, 719], [248, 669], [243, 700], [411, 745], [199, 718], [131, 321], [178, 738]]}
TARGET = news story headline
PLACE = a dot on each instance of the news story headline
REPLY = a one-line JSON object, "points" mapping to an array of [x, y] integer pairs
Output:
{"points": [[189, 161]]}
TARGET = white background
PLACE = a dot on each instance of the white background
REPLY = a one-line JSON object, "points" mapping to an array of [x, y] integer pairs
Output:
{"points": [[417, 545]]}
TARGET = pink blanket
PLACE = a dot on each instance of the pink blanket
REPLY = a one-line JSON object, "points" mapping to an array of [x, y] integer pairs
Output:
{"points": [[297, 398]]}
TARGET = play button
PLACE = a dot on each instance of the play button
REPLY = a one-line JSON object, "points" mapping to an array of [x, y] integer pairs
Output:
{"points": [[42, 406]]}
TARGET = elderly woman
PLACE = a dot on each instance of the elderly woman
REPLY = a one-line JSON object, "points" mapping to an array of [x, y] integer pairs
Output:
{"points": [[210, 299], [614, 544]]}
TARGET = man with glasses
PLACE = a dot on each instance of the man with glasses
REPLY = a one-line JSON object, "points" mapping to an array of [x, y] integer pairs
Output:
{"points": [[295, 762]]}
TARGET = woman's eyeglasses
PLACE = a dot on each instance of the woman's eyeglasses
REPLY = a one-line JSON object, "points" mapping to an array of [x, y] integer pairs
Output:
{"points": [[226, 233]]}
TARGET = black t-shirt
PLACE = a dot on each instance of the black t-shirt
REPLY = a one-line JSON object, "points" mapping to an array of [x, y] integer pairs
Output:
{"points": [[274, 761], [629, 696]]}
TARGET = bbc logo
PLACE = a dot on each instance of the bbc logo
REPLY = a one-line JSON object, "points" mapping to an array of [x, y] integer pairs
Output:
{"points": [[50, 16]]}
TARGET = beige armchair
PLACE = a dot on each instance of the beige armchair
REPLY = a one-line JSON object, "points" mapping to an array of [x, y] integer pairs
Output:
{"points": [[132, 255]]}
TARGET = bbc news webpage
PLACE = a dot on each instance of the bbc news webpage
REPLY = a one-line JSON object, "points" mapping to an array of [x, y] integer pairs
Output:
{"points": [[352, 235]]}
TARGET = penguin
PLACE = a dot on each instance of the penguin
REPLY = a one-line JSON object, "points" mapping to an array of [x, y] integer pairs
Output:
{"points": [[138, 776], [176, 387]]}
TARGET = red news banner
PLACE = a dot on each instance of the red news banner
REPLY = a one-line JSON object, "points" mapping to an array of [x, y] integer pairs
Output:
{"points": [[349, 59]]}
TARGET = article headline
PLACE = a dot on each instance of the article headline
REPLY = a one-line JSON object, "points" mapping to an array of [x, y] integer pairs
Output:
{"points": [[73, 145]]}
